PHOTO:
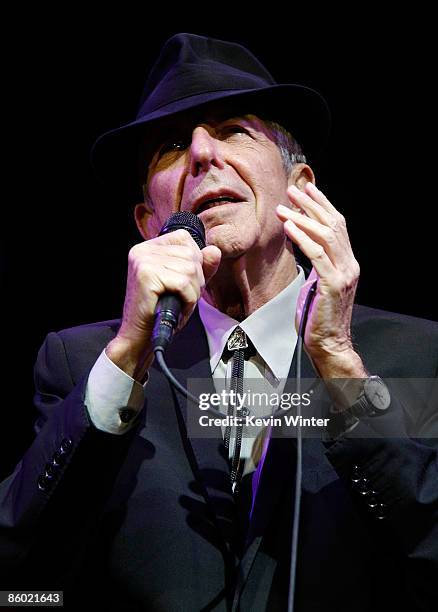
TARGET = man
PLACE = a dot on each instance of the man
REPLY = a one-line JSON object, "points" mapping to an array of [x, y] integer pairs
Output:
{"points": [[114, 499]]}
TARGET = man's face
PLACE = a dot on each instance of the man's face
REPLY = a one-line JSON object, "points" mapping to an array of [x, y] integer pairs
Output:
{"points": [[230, 172]]}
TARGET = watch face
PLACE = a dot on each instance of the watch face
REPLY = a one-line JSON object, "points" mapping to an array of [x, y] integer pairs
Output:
{"points": [[377, 393]]}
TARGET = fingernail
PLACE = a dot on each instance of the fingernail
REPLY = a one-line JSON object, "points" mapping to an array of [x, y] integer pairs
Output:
{"points": [[311, 186], [283, 209]]}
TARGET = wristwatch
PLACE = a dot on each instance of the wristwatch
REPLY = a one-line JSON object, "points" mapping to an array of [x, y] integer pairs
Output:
{"points": [[374, 398]]}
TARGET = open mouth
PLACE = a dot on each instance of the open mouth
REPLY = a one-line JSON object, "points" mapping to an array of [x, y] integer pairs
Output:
{"points": [[212, 202]]}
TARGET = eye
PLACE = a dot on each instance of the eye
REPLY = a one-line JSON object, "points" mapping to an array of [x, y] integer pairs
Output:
{"points": [[173, 144], [234, 129]]}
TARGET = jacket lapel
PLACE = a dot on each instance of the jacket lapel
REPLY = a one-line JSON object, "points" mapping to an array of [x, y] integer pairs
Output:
{"points": [[278, 472], [281, 451], [188, 358]]}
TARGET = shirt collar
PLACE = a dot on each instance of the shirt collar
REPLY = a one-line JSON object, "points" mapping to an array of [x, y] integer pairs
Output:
{"points": [[271, 328]]}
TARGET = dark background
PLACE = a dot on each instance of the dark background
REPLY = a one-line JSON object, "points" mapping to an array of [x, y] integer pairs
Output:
{"points": [[71, 77]]}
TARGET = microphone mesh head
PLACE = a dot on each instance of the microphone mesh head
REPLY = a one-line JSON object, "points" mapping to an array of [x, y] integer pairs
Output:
{"points": [[188, 221]]}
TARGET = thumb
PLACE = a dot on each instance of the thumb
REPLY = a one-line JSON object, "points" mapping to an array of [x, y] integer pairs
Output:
{"points": [[313, 276], [211, 260]]}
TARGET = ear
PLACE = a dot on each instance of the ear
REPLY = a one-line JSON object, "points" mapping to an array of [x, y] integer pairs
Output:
{"points": [[145, 221], [300, 175]]}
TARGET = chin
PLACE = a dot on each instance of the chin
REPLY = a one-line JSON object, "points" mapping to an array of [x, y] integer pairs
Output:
{"points": [[231, 242]]}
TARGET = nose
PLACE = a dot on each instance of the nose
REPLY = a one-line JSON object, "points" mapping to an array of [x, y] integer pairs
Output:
{"points": [[204, 151]]}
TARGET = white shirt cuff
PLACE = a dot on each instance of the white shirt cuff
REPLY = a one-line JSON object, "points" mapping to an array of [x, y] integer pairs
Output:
{"points": [[111, 395]]}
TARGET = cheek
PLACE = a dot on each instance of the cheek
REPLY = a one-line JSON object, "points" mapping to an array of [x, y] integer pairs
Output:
{"points": [[163, 193], [273, 183], [270, 187], [266, 178], [270, 190]]}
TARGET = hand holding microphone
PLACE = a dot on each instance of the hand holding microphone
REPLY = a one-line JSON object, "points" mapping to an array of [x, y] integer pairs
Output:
{"points": [[171, 265], [168, 309]]}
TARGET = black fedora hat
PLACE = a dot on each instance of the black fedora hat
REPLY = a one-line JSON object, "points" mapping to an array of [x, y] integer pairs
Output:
{"points": [[193, 72]]}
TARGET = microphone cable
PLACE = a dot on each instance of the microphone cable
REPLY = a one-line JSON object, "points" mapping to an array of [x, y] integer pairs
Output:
{"points": [[299, 456]]}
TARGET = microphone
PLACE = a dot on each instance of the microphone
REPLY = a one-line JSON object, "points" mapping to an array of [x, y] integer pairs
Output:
{"points": [[168, 309]]}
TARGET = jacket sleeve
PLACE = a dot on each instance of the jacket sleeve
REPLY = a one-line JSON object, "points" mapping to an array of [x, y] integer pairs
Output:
{"points": [[52, 500], [390, 464]]}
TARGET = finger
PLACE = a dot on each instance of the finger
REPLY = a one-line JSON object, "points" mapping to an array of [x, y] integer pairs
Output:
{"points": [[336, 220], [189, 268], [318, 232], [178, 237], [313, 276], [171, 281], [308, 205], [318, 196], [314, 251], [211, 260], [175, 257], [179, 251], [302, 296]]}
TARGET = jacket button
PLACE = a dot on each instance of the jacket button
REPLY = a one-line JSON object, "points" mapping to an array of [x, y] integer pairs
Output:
{"points": [[58, 458], [50, 470], [379, 512], [66, 445], [361, 485], [372, 502], [43, 483], [356, 475], [127, 414]]}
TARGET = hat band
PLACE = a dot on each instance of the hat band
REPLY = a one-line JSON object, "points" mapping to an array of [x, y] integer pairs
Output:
{"points": [[191, 85]]}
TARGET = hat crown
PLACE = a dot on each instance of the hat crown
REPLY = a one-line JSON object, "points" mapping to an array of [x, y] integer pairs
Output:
{"points": [[190, 65]]}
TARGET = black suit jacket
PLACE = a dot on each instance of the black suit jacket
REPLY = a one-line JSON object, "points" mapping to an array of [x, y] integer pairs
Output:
{"points": [[147, 520]]}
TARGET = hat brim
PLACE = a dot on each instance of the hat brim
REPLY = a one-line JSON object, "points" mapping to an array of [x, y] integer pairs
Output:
{"points": [[299, 109]]}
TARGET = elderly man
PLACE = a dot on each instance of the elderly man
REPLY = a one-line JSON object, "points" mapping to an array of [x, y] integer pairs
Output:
{"points": [[114, 499]]}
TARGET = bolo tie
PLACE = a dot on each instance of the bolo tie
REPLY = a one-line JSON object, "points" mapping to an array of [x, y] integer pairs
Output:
{"points": [[240, 347]]}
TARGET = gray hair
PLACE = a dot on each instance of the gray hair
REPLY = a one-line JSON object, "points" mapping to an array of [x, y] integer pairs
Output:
{"points": [[290, 150]]}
